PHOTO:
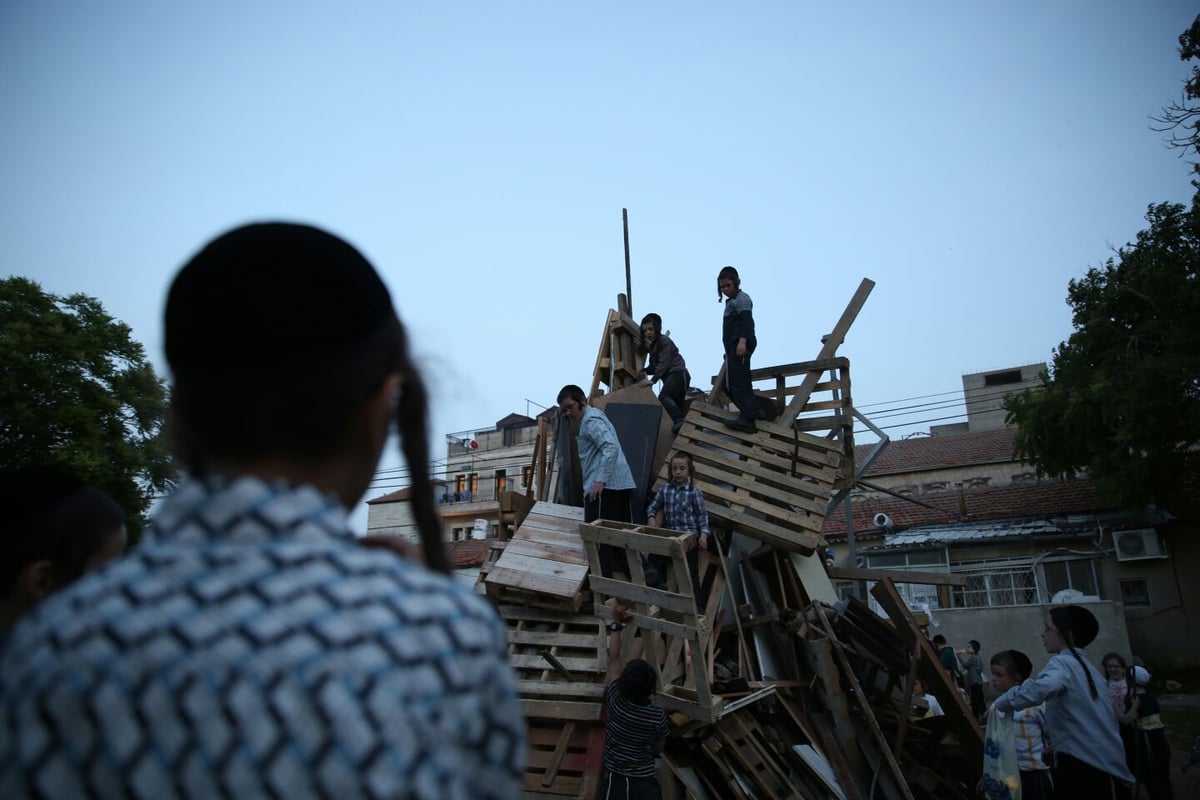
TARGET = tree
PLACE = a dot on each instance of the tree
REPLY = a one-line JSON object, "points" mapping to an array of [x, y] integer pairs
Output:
{"points": [[1181, 120], [1121, 400], [76, 389]]}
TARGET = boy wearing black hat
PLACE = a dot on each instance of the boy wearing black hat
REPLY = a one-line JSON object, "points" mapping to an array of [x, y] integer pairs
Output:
{"points": [[252, 647], [1081, 723]]}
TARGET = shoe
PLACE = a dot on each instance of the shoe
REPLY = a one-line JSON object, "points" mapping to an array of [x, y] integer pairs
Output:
{"points": [[741, 424], [675, 428]]}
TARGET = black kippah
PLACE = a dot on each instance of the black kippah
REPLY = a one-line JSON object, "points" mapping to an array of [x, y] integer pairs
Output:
{"points": [[28, 492], [273, 304]]}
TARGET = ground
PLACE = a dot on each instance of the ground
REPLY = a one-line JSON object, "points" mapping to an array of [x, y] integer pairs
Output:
{"points": [[1181, 714]]}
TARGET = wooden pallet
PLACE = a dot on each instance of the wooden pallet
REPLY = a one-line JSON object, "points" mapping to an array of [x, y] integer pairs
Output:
{"points": [[619, 361], [773, 485], [564, 759], [514, 507], [675, 638], [560, 661], [545, 562], [747, 743]]}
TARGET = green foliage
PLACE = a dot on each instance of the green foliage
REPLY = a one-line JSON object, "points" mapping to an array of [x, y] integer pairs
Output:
{"points": [[76, 389], [1122, 398]]}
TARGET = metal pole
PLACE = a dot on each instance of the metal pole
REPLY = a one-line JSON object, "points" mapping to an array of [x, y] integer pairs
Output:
{"points": [[860, 587], [628, 280]]}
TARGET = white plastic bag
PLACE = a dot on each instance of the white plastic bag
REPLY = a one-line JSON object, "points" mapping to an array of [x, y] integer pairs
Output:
{"points": [[1001, 775]]}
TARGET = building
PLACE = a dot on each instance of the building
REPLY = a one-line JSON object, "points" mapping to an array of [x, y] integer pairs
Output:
{"points": [[961, 502], [480, 464]]}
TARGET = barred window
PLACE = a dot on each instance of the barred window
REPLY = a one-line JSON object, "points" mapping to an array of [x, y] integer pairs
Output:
{"points": [[1008, 582]]}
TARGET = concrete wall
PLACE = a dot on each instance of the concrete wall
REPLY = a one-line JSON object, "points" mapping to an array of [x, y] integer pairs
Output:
{"points": [[391, 519], [1020, 628], [1164, 635], [985, 404]]}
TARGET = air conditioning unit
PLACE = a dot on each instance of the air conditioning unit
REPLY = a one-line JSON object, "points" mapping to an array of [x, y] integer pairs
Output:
{"points": [[1138, 544]]}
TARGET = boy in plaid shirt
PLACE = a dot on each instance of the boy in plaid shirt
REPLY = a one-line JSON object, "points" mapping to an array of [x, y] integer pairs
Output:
{"points": [[679, 506]]}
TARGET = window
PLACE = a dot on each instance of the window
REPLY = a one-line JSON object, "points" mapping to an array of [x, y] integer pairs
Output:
{"points": [[460, 484], [473, 482], [1002, 378], [1135, 593], [914, 595], [992, 583], [845, 589], [501, 482], [1077, 574], [527, 477]]}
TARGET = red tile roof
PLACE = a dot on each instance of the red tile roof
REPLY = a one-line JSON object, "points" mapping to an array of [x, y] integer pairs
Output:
{"points": [[940, 452], [468, 553], [1047, 498]]}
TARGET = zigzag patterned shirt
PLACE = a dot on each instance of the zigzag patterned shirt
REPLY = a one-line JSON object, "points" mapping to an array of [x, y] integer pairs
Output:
{"points": [[250, 648]]}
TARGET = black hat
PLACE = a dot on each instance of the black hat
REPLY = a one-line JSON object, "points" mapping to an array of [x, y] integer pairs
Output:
{"points": [[1078, 621], [273, 304]]}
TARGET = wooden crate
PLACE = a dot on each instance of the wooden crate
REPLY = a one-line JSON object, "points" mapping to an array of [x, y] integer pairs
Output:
{"points": [[675, 638], [773, 485]]}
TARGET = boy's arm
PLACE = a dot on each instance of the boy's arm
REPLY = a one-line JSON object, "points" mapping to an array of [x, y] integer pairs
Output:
{"points": [[620, 616]]}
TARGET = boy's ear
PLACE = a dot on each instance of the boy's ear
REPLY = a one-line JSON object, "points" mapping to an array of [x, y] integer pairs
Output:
{"points": [[37, 581]]}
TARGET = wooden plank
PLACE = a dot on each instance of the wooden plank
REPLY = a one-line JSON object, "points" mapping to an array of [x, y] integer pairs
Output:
{"points": [[778, 453], [791, 540], [534, 689], [864, 705], [640, 594], [896, 575], [561, 709], [807, 496], [661, 542], [828, 348], [959, 716]]}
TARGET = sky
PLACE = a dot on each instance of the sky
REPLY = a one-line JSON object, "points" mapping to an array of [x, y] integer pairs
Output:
{"points": [[970, 159]]}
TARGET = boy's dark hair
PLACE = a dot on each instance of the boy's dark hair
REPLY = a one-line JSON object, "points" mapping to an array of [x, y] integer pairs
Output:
{"points": [[573, 392], [276, 334], [49, 514], [732, 274], [691, 464], [1015, 663], [975, 645], [637, 681], [939, 639], [650, 319]]}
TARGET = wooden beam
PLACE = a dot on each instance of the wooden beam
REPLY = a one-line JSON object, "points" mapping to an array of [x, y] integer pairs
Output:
{"points": [[897, 575], [828, 349]]}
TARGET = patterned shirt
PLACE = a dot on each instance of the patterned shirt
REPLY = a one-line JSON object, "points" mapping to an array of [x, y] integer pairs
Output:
{"points": [[600, 455], [630, 733], [250, 648], [682, 506], [1029, 730]]}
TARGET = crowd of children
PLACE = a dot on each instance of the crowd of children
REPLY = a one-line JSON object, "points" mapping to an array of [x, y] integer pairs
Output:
{"points": [[1078, 730]]}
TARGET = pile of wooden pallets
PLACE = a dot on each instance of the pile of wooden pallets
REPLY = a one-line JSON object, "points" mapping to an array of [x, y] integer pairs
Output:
{"points": [[776, 689]]}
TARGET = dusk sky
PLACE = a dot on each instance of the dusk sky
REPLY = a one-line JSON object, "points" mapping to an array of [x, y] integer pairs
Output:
{"points": [[970, 158]]}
